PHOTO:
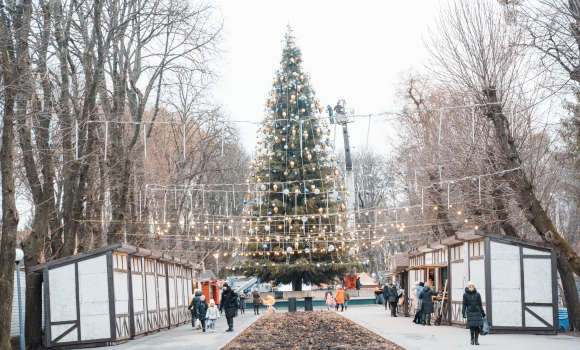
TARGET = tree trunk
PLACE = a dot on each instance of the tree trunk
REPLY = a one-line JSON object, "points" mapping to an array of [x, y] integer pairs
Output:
{"points": [[9, 219], [568, 260], [297, 284]]}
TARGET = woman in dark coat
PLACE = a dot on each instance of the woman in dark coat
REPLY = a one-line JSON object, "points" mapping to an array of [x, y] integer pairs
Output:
{"points": [[256, 301], [473, 310], [229, 304], [242, 303], [427, 303]]}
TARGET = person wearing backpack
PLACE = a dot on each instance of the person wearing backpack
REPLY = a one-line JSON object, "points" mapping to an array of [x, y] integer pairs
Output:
{"points": [[193, 307]]}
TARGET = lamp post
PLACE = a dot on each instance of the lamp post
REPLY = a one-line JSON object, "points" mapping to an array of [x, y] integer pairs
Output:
{"points": [[17, 259]]}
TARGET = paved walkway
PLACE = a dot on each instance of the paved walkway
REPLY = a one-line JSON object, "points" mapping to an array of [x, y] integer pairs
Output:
{"points": [[185, 337], [403, 331]]}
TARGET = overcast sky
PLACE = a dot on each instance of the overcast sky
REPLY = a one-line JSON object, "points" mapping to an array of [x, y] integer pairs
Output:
{"points": [[354, 50]]}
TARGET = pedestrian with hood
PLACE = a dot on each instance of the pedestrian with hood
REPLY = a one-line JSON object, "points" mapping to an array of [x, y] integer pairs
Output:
{"points": [[473, 310], [202, 311], [420, 302], [427, 307], [392, 297], [346, 298], [358, 284], [193, 305], [212, 315], [229, 304], [242, 303], [256, 300]]}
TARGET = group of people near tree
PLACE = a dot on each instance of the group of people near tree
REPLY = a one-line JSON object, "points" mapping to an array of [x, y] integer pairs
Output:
{"points": [[341, 299], [204, 314]]}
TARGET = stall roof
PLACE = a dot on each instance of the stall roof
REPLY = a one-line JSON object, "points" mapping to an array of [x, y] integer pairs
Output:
{"points": [[425, 249], [469, 235], [117, 247], [413, 252], [421, 267], [437, 245], [452, 240], [207, 275]]}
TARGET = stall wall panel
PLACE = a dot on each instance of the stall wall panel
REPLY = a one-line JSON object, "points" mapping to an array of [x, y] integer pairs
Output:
{"points": [[94, 299], [138, 302], [121, 305], [162, 291], [457, 289], [57, 330], [506, 285], [63, 299], [537, 277], [544, 312], [530, 251], [152, 295], [477, 276], [180, 296]]}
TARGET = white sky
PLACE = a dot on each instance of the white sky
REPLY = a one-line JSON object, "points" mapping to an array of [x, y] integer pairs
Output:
{"points": [[354, 50]]}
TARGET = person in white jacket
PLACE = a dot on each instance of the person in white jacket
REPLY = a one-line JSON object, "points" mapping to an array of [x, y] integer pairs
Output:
{"points": [[212, 314]]}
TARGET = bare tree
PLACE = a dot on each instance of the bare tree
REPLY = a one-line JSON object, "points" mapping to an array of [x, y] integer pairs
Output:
{"points": [[475, 50]]}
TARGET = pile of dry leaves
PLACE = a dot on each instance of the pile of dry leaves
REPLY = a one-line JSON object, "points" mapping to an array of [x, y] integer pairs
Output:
{"points": [[308, 330]]}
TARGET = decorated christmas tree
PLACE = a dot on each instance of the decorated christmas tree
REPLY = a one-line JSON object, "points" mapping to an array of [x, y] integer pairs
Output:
{"points": [[297, 226]]}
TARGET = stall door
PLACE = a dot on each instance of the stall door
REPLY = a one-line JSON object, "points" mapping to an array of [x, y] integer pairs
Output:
{"points": [[152, 296], [172, 296], [120, 278], [457, 289], [162, 291], [139, 318], [180, 294], [187, 291], [522, 289]]}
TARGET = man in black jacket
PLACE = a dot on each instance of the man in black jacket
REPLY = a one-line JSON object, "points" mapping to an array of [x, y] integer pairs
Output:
{"points": [[393, 298], [229, 304]]}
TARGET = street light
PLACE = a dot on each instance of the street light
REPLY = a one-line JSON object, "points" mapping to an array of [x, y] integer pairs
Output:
{"points": [[17, 259]]}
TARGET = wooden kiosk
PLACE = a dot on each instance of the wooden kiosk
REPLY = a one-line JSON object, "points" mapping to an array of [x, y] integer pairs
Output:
{"points": [[112, 294], [516, 279]]}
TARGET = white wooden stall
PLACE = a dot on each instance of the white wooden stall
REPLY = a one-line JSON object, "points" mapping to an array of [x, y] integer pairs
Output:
{"points": [[107, 296], [516, 279]]}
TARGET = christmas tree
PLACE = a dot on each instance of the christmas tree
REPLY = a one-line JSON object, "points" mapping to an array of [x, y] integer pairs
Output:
{"points": [[297, 225]]}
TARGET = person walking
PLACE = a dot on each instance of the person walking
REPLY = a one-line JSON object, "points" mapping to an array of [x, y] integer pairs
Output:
{"points": [[427, 306], [202, 311], [358, 284], [417, 302], [473, 311], [229, 304], [340, 299], [256, 300], [330, 301], [386, 295], [212, 315], [393, 298], [346, 298], [242, 303], [193, 305]]}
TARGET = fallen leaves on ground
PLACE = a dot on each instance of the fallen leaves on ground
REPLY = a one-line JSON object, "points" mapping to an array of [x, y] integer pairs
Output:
{"points": [[317, 330]]}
